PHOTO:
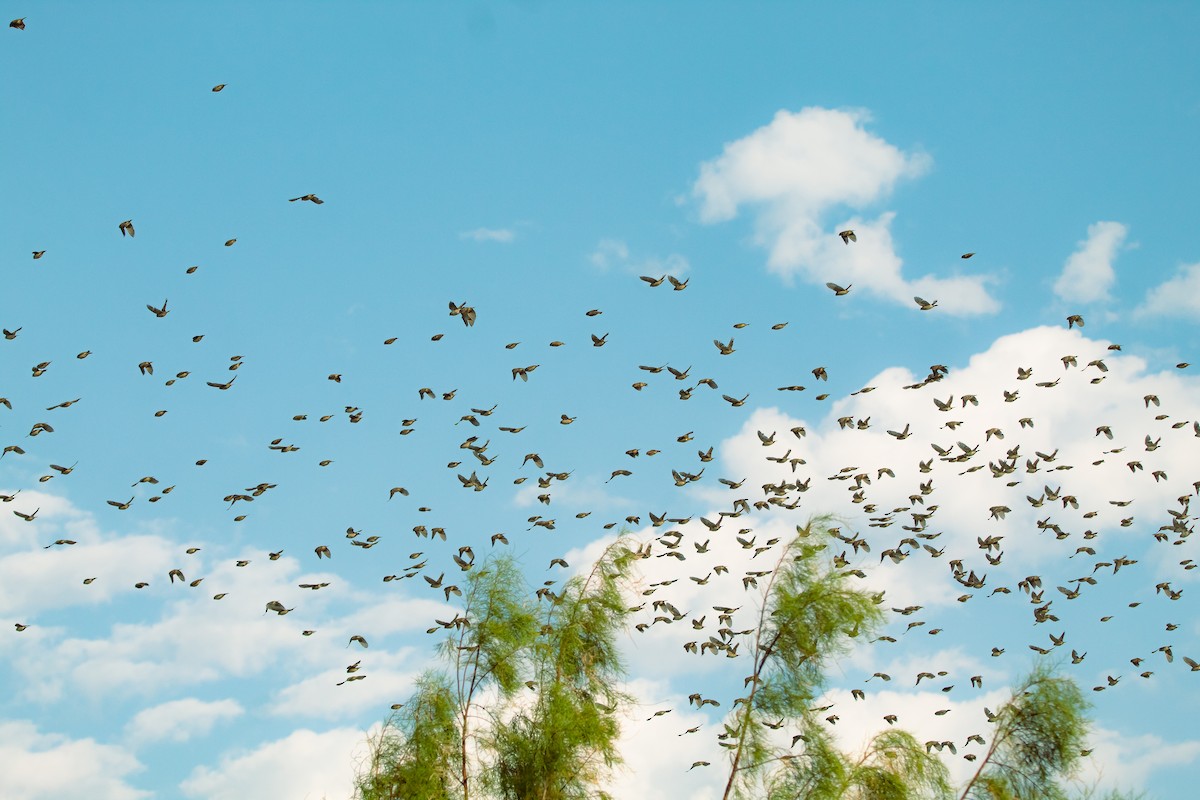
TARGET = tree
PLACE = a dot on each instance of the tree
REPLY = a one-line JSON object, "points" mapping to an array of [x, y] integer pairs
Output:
{"points": [[1036, 743], [558, 740], [809, 615], [551, 749], [560, 747]]}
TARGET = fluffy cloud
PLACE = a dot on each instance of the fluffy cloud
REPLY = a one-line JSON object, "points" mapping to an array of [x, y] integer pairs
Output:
{"points": [[800, 169], [1177, 297], [1088, 274], [1075, 474], [49, 766], [503, 235], [1123, 762], [180, 720], [614, 253], [302, 764]]}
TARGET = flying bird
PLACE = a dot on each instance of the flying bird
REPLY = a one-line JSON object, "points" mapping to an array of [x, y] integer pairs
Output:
{"points": [[847, 236]]}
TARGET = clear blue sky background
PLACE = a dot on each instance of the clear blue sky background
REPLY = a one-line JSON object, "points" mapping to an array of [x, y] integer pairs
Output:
{"points": [[575, 133]]}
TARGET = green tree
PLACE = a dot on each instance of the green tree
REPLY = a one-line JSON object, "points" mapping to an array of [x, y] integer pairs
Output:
{"points": [[550, 749], [561, 747], [809, 615], [1036, 741]]}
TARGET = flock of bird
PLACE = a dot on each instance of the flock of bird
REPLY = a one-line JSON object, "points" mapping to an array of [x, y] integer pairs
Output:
{"points": [[733, 524]]}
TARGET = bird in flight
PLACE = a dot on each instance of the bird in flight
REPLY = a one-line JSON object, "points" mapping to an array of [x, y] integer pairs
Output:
{"points": [[218, 87], [847, 236], [159, 312], [19, 24], [838, 291], [312, 198], [126, 227]]}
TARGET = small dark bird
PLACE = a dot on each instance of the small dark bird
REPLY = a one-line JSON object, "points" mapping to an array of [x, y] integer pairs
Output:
{"points": [[126, 227], [839, 291], [158, 312], [312, 198], [19, 24], [847, 236]]}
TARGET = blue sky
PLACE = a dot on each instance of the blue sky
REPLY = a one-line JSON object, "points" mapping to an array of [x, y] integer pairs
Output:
{"points": [[533, 160]]}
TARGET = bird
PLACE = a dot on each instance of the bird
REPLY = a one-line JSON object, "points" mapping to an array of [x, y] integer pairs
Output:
{"points": [[218, 87], [924, 304], [311, 198], [359, 639], [323, 550], [126, 227], [654, 282], [677, 284], [847, 236], [1073, 320], [38, 254], [19, 24], [158, 312], [967, 255], [838, 291]]}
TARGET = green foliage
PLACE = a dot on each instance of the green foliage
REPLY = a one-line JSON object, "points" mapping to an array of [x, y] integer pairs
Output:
{"points": [[809, 614], [560, 748], [557, 739], [1036, 742], [556, 747], [417, 752]]}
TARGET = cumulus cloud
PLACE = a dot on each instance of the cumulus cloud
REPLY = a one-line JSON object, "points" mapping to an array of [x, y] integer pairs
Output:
{"points": [[615, 254], [50, 766], [1088, 274], [801, 169], [502, 235], [1087, 497], [1120, 761], [180, 720], [1177, 297], [304, 764]]}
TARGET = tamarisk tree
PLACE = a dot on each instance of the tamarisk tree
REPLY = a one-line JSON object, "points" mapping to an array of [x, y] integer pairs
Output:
{"points": [[441, 743]]}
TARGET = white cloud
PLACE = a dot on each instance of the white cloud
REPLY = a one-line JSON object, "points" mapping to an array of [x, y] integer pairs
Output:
{"points": [[304, 764], [180, 720], [1088, 274], [657, 752], [960, 495], [610, 253], [1122, 761], [1177, 297], [50, 766], [388, 679], [798, 170], [504, 235]]}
